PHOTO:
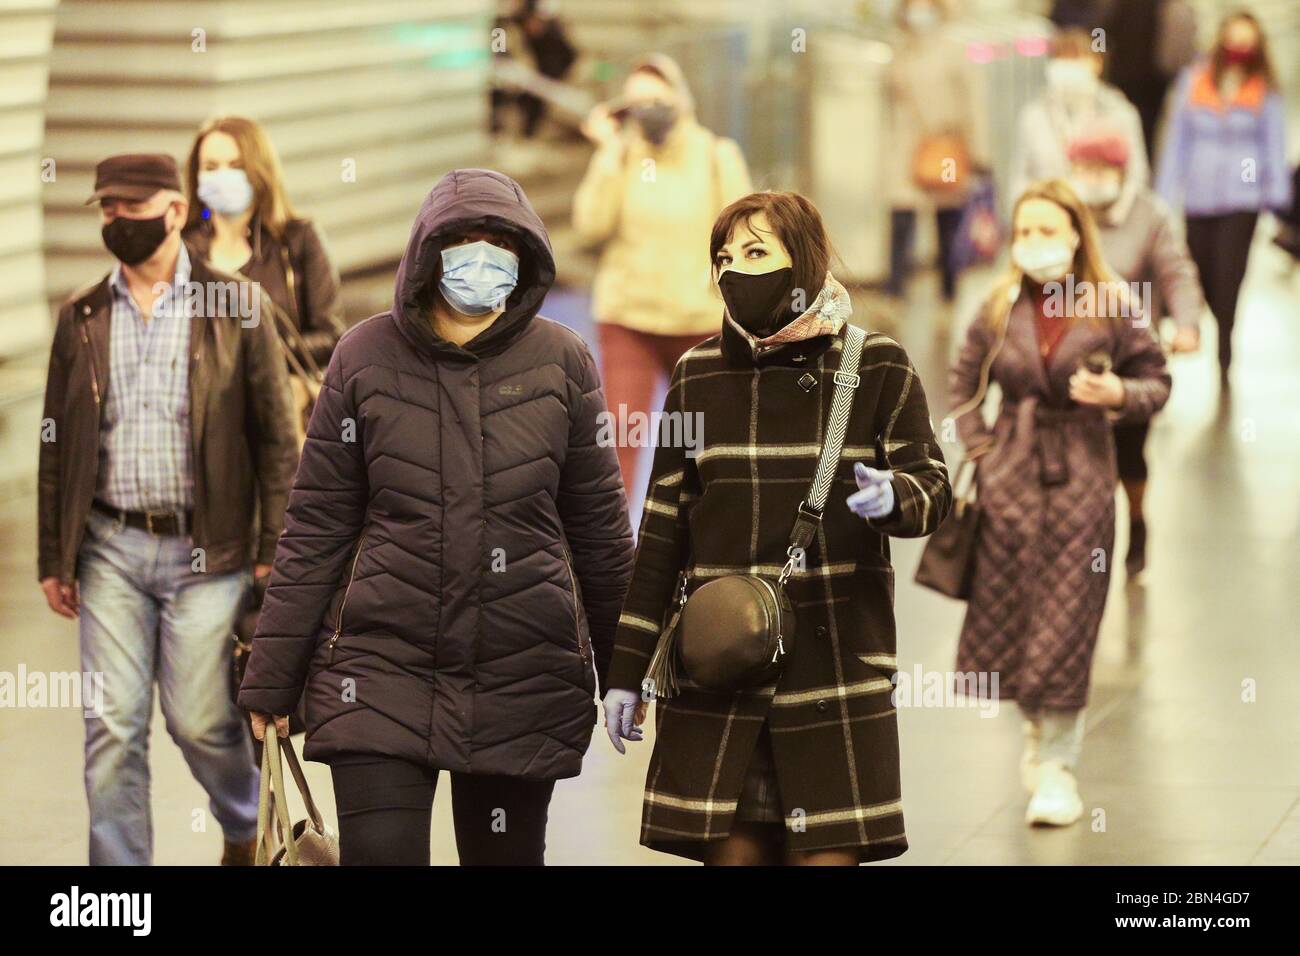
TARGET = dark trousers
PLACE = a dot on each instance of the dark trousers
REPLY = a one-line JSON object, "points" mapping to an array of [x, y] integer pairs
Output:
{"points": [[902, 237], [1220, 246], [531, 108], [385, 806], [1149, 100]]}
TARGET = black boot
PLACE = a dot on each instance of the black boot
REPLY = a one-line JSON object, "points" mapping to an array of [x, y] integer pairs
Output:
{"points": [[1137, 547]]}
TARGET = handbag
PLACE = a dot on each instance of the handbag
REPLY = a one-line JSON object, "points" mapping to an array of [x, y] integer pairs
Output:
{"points": [[306, 843], [980, 233], [947, 564], [941, 162], [737, 631]]}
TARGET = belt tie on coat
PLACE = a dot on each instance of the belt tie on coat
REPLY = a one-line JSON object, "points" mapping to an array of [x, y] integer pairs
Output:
{"points": [[1040, 429]]}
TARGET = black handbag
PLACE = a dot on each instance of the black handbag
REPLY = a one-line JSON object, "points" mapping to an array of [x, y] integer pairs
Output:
{"points": [[948, 561], [737, 631]]}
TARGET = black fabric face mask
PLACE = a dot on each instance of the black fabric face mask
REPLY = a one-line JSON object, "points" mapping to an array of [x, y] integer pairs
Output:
{"points": [[132, 241], [656, 121], [756, 301]]}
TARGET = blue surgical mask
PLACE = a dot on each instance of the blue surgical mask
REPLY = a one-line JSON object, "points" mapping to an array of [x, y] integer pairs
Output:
{"points": [[226, 191], [478, 277]]}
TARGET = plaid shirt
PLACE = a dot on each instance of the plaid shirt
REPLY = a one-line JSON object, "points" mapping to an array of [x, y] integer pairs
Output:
{"points": [[144, 440]]}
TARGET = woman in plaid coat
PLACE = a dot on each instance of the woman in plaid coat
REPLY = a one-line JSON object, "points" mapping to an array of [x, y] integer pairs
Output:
{"points": [[804, 770]]}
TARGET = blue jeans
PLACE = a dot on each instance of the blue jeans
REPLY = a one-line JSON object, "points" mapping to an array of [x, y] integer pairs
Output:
{"points": [[146, 616]]}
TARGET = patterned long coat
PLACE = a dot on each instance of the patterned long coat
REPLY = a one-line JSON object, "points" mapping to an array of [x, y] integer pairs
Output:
{"points": [[729, 509], [1047, 494]]}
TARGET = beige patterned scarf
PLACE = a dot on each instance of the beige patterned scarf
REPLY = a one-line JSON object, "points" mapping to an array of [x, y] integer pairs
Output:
{"points": [[827, 315]]}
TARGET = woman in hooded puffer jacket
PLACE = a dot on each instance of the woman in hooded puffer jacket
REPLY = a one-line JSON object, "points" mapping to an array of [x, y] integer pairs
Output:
{"points": [[456, 548]]}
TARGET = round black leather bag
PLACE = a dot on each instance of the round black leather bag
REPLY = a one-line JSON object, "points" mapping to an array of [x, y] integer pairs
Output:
{"points": [[735, 632]]}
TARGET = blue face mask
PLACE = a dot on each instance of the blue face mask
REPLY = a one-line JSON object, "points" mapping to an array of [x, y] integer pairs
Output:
{"points": [[226, 191], [478, 277]]}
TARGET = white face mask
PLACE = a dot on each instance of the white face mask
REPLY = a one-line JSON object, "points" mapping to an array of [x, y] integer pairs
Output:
{"points": [[1071, 77], [226, 191], [1044, 260], [1098, 195]]}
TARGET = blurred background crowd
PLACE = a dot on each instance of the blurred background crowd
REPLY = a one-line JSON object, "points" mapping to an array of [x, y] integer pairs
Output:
{"points": [[345, 121]]}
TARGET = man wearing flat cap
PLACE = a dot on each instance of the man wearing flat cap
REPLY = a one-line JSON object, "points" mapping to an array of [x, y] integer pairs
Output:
{"points": [[167, 451]]}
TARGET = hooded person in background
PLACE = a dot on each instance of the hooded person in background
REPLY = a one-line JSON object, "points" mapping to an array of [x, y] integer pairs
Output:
{"points": [[1142, 242], [456, 547], [656, 182]]}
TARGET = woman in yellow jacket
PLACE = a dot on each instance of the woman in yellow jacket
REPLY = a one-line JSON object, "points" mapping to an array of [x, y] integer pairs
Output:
{"points": [[656, 182]]}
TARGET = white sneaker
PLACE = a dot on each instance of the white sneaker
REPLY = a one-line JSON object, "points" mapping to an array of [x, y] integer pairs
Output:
{"points": [[1056, 800]]}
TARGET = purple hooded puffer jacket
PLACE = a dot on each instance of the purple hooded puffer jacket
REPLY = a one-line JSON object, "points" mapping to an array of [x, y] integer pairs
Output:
{"points": [[456, 548]]}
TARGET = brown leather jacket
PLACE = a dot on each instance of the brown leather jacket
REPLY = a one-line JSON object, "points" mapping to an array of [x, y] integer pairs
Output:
{"points": [[241, 431], [296, 272]]}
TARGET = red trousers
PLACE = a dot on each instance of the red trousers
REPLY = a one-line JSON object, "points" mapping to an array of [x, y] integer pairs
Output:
{"points": [[633, 367]]}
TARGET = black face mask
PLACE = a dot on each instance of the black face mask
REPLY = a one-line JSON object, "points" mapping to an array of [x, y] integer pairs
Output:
{"points": [[760, 303], [656, 121], [132, 241]]}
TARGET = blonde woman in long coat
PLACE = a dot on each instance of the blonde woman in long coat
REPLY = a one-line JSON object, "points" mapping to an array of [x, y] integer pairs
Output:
{"points": [[1046, 475]]}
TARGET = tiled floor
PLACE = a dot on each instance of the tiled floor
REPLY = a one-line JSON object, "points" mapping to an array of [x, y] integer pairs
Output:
{"points": [[1192, 752]]}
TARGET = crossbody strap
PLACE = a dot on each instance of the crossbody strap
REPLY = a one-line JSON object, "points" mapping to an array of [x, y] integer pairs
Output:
{"points": [[661, 678], [291, 334], [809, 517]]}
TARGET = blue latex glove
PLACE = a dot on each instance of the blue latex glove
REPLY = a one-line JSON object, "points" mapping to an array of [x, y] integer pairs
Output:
{"points": [[875, 497], [621, 717]]}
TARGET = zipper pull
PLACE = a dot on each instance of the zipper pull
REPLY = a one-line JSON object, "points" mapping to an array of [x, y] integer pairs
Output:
{"points": [[780, 649], [334, 640]]}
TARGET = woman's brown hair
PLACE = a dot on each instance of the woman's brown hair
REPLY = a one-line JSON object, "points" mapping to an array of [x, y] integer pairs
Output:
{"points": [[261, 164], [795, 221], [1261, 64], [1089, 268]]}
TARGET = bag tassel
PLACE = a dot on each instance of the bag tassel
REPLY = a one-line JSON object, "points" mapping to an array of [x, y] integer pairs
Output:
{"points": [[661, 676]]}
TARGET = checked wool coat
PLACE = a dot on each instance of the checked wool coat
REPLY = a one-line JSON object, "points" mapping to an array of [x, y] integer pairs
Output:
{"points": [[728, 509], [1047, 497]]}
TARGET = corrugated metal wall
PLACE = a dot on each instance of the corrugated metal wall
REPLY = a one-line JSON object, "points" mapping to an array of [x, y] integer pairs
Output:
{"points": [[367, 103], [26, 28]]}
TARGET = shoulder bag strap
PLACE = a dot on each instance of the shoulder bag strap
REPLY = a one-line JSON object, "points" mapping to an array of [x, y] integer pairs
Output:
{"points": [[307, 368], [809, 517], [973, 403], [661, 678]]}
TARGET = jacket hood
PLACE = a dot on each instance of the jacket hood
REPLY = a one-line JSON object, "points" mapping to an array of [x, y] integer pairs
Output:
{"points": [[668, 68], [463, 200]]}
